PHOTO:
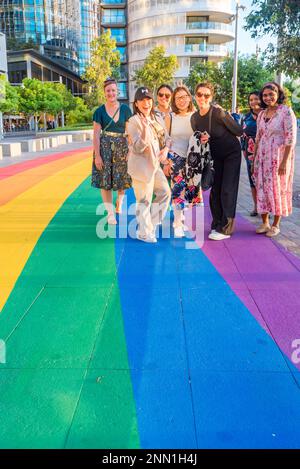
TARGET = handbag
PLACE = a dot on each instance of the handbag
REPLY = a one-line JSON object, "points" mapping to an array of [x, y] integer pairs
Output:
{"points": [[160, 133], [208, 172]]}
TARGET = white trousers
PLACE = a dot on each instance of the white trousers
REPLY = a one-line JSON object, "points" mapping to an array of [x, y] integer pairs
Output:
{"points": [[149, 214]]}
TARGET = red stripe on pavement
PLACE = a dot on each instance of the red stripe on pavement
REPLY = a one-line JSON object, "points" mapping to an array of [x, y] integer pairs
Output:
{"points": [[26, 165]]}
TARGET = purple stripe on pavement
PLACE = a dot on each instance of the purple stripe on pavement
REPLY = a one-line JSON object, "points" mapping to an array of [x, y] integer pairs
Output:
{"points": [[263, 275]]}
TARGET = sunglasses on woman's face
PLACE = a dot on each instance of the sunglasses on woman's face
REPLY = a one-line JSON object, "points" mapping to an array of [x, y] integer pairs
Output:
{"points": [[181, 98], [166, 95], [205, 95]]}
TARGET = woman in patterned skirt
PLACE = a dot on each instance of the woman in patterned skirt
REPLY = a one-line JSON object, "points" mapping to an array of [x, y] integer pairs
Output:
{"points": [[180, 130], [109, 170]]}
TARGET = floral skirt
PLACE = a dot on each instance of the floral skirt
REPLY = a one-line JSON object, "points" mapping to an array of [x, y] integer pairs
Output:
{"points": [[113, 176], [183, 190]]}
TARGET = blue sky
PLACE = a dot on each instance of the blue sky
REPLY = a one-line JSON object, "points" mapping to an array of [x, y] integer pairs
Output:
{"points": [[246, 43]]}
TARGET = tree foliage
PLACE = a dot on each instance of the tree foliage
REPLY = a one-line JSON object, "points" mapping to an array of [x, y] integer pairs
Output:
{"points": [[252, 74], [104, 62], [9, 97], [13, 43], [80, 114], [157, 69], [281, 19]]}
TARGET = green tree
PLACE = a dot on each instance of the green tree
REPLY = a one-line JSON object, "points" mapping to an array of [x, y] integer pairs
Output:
{"points": [[293, 87], [13, 43], [202, 71], [104, 62], [252, 74], [80, 114], [68, 100], [157, 69], [33, 98], [281, 19], [9, 97]]}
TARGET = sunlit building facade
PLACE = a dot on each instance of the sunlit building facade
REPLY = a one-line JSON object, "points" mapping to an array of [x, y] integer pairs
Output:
{"points": [[53, 25], [193, 30]]}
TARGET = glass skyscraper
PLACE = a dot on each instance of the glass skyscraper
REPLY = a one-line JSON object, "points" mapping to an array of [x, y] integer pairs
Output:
{"points": [[52, 24], [89, 29], [114, 17]]}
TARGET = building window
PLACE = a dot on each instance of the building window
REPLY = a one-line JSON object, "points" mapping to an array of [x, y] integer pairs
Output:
{"points": [[118, 34], [17, 71], [46, 74], [36, 71], [114, 16], [197, 60]]}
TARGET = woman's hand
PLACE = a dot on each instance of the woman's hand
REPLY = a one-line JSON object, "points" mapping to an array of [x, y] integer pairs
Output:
{"points": [[282, 168], [163, 155], [167, 168], [143, 120], [99, 162]]}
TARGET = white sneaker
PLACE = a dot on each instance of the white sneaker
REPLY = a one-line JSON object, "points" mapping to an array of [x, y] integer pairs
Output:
{"points": [[179, 232], [217, 236], [146, 239]]}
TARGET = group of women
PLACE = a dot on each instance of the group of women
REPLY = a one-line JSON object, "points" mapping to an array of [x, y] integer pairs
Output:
{"points": [[149, 151]]}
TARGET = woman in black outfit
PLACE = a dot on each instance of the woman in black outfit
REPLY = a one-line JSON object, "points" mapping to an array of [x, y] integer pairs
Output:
{"points": [[226, 153]]}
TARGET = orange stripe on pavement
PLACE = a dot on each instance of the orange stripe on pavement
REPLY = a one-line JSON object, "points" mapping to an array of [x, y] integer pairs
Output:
{"points": [[13, 186], [24, 218]]}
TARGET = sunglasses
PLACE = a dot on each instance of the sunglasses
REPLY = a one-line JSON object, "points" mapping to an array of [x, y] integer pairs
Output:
{"points": [[179, 98], [205, 95], [166, 95]]}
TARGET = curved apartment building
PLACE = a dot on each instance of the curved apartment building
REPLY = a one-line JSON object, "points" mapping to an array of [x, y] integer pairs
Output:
{"points": [[193, 30]]}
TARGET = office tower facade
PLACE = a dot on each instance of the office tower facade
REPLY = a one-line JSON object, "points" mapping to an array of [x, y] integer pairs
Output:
{"points": [[114, 17], [52, 25], [90, 12], [193, 30]]}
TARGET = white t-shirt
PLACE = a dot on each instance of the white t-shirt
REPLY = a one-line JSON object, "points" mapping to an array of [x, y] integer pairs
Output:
{"points": [[181, 132]]}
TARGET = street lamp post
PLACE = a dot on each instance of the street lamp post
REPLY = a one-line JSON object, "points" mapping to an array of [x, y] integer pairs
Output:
{"points": [[236, 53]]}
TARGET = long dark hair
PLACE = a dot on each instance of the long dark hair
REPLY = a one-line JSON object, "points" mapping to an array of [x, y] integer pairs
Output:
{"points": [[173, 103], [274, 87], [137, 111], [165, 86], [255, 93]]}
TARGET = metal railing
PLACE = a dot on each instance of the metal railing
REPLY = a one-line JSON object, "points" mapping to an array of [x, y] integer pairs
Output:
{"points": [[209, 25]]}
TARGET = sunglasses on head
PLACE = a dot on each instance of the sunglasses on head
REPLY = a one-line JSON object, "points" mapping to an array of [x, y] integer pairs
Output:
{"points": [[205, 95], [166, 95]]}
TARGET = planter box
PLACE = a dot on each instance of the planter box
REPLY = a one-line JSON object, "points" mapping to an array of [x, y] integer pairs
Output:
{"points": [[9, 150]]}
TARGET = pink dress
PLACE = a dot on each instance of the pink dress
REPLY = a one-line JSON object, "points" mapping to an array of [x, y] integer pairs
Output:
{"points": [[274, 192]]}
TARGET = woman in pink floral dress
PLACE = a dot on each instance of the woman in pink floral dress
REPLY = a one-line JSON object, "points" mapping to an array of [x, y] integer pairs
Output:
{"points": [[273, 166]]}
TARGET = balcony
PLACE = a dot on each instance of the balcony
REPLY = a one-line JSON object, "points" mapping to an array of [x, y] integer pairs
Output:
{"points": [[142, 9], [212, 51], [208, 25], [164, 26], [113, 4], [206, 49], [113, 20]]}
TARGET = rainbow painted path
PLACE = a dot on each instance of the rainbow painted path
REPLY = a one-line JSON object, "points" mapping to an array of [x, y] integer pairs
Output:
{"points": [[119, 344]]}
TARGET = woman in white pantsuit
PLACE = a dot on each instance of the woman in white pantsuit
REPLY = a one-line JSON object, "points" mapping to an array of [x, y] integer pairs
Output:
{"points": [[147, 150]]}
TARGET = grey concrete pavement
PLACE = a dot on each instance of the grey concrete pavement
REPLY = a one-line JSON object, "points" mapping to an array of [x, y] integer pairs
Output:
{"points": [[289, 236]]}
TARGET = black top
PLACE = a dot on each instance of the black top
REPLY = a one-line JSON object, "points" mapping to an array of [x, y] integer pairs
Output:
{"points": [[224, 130]]}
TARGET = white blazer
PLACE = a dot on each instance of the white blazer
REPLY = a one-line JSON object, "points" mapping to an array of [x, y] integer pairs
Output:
{"points": [[143, 153]]}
